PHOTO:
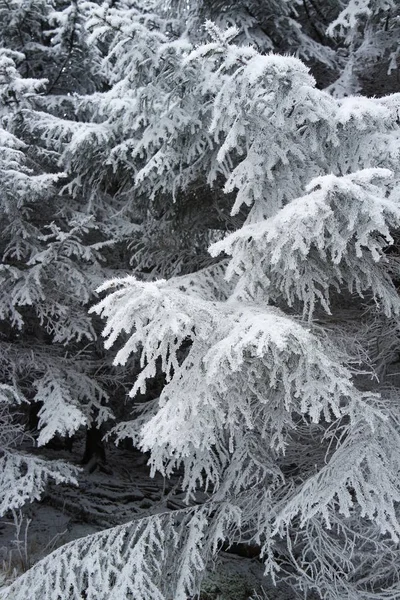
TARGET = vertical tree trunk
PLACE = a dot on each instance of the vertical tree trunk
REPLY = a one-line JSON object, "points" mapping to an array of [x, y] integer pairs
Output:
{"points": [[95, 454]]}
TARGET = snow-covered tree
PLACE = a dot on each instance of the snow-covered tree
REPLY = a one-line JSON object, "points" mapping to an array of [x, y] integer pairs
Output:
{"points": [[351, 45], [46, 244], [260, 216], [51, 37], [23, 477], [279, 403], [368, 34]]}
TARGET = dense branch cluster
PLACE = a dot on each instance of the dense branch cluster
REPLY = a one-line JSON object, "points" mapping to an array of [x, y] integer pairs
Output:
{"points": [[207, 188]]}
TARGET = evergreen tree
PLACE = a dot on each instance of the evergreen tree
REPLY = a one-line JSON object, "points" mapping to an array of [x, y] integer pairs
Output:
{"points": [[22, 477], [278, 349], [50, 36], [50, 263], [369, 52]]}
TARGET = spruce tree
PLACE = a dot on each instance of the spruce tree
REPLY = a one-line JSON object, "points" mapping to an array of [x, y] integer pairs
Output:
{"points": [[50, 263], [278, 348]]}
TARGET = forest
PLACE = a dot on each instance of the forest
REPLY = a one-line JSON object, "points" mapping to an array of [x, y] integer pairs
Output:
{"points": [[199, 300]]}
